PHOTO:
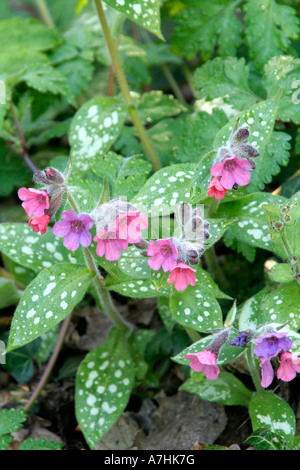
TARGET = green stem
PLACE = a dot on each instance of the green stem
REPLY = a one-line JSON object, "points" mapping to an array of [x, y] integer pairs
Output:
{"points": [[173, 84], [49, 367], [214, 267], [213, 207], [103, 294], [126, 91], [45, 13], [252, 368]]}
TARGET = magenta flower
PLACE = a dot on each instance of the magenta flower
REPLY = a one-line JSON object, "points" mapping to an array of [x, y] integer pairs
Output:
{"points": [[267, 374], [35, 201], [182, 275], [206, 362], [289, 366], [272, 344], [40, 224], [232, 170], [164, 254], [74, 229], [129, 226], [109, 244], [216, 189]]}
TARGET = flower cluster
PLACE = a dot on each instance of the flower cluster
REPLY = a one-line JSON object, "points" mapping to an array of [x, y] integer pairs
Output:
{"points": [[276, 344], [43, 203], [177, 253], [268, 346], [233, 165]]}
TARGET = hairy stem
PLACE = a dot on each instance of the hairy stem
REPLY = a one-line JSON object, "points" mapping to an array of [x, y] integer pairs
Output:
{"points": [[173, 84], [23, 154], [49, 367], [125, 90], [45, 13], [252, 368], [103, 294]]}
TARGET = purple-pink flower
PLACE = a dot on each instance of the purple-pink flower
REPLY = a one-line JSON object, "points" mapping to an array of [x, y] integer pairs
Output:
{"points": [[267, 374], [232, 170], [182, 275], [129, 226], [272, 344], [74, 229], [289, 366], [163, 254], [35, 201], [206, 362], [216, 189], [109, 244], [40, 224]]}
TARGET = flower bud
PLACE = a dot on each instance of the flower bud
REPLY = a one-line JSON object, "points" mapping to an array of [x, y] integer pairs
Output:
{"points": [[241, 135], [218, 342], [248, 150]]}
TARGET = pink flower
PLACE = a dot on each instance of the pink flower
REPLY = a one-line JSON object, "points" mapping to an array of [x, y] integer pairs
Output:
{"points": [[289, 366], [129, 226], [109, 244], [206, 362], [267, 374], [40, 224], [35, 201], [164, 254], [74, 229], [216, 189], [182, 275], [232, 170]]}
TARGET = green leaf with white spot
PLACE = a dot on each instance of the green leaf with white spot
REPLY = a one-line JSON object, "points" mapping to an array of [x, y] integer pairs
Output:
{"points": [[48, 300], [270, 412], [226, 389], [260, 120], [164, 189], [154, 286], [11, 420], [197, 308], [94, 128], [103, 386], [146, 14], [283, 305], [33, 250], [282, 72], [251, 225], [263, 439], [250, 313]]}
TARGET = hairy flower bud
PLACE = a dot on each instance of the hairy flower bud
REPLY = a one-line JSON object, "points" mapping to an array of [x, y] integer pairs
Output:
{"points": [[241, 135]]}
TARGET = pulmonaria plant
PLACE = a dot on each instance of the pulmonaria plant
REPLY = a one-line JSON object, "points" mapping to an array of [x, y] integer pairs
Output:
{"points": [[233, 164]]}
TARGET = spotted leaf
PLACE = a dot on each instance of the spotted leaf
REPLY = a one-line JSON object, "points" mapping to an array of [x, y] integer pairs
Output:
{"points": [[145, 13], [33, 250], [103, 386], [48, 299]]}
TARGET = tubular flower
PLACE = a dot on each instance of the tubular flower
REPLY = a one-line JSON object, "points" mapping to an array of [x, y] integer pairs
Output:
{"points": [[40, 224], [182, 275], [216, 189], [232, 170], [35, 201], [206, 362], [74, 229], [272, 344], [289, 366], [163, 254], [130, 224], [109, 244]]}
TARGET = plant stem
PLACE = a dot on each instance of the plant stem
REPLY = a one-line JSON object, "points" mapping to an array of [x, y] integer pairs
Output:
{"points": [[173, 84], [103, 294], [125, 90], [23, 154], [48, 369], [214, 267], [45, 13], [252, 368]]}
